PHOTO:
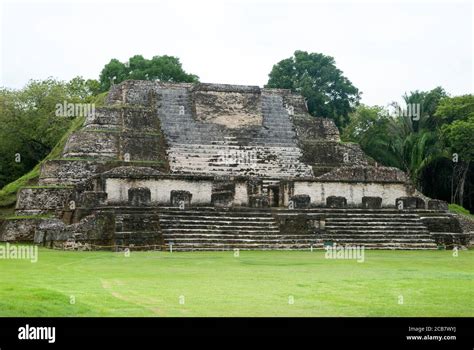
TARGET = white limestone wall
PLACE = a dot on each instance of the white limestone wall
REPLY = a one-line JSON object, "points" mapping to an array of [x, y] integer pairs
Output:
{"points": [[117, 189], [319, 191]]}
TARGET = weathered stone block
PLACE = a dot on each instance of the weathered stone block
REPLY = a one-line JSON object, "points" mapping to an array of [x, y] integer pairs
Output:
{"points": [[451, 240], [258, 201], [371, 202], [142, 147], [68, 172], [86, 143], [410, 203], [447, 223], [18, 230], [336, 202], [179, 198], [98, 228], [139, 196], [222, 199], [43, 198], [298, 224], [436, 204], [92, 199], [301, 201], [143, 119]]}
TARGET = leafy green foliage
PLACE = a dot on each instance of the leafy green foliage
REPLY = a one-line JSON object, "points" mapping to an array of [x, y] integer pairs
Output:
{"points": [[162, 68], [30, 124], [329, 94], [8, 192], [459, 135], [423, 147], [455, 108], [393, 141]]}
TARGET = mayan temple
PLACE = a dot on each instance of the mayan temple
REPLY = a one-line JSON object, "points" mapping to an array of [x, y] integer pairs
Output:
{"points": [[220, 167]]}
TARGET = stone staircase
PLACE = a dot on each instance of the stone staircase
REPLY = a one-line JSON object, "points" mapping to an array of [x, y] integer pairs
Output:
{"points": [[377, 229], [199, 147], [220, 229], [213, 229]]}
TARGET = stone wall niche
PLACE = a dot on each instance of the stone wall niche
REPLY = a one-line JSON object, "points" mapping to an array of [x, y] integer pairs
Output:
{"points": [[223, 192], [410, 203], [222, 199], [301, 201], [371, 202], [139, 196], [336, 202], [258, 201], [180, 198]]}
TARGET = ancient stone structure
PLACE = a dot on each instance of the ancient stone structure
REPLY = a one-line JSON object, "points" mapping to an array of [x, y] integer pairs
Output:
{"points": [[211, 167]]}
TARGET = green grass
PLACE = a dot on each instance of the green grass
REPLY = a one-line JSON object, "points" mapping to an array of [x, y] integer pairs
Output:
{"points": [[460, 210], [22, 217], [432, 283]]}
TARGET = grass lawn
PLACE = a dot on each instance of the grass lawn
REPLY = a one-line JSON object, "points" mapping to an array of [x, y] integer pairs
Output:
{"points": [[257, 283]]}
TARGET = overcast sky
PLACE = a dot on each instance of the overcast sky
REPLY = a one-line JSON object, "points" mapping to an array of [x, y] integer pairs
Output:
{"points": [[384, 48]]}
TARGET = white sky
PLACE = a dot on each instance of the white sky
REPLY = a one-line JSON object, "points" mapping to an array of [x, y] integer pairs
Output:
{"points": [[385, 48]]}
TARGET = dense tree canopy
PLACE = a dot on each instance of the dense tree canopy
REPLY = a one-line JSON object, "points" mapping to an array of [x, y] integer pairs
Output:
{"points": [[30, 124], [423, 146], [329, 94], [162, 68]]}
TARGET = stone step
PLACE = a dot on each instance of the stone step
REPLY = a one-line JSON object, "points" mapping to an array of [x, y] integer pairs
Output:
{"points": [[380, 240], [317, 245], [220, 216], [218, 240], [222, 224], [376, 236], [240, 235], [210, 155], [369, 229], [228, 171], [242, 246], [375, 224], [379, 234], [369, 217], [222, 230]]}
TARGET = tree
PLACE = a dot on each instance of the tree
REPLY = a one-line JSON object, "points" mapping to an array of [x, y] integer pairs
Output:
{"points": [[403, 141], [436, 149], [428, 102], [329, 94], [457, 116], [30, 125], [455, 108], [161, 68], [370, 128]]}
